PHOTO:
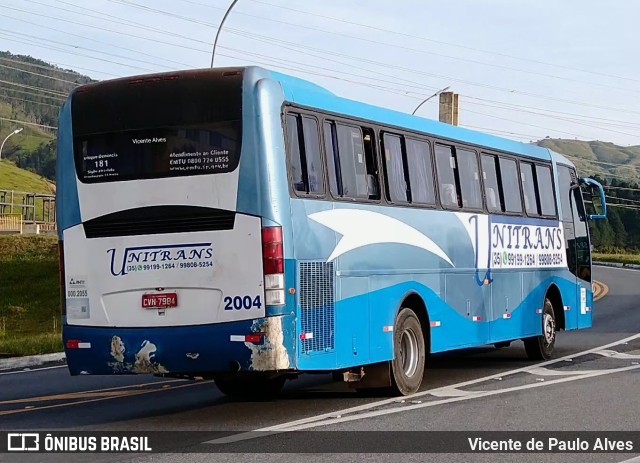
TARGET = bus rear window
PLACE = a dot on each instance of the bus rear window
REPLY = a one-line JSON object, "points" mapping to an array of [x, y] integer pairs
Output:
{"points": [[159, 152], [161, 125]]}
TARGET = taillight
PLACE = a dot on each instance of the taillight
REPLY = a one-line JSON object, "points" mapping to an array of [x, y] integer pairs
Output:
{"points": [[63, 299], [273, 265]]}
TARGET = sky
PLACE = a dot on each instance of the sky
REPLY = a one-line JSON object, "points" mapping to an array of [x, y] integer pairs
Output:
{"points": [[525, 69]]}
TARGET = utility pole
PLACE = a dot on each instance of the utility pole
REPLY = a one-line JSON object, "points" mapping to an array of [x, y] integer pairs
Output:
{"points": [[449, 108]]}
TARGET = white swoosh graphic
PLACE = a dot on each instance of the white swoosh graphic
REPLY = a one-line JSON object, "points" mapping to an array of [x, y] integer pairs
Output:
{"points": [[360, 228]]}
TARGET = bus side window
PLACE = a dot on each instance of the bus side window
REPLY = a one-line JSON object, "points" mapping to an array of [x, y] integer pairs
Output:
{"points": [[295, 153], [446, 165], [495, 202], [353, 171], [333, 160], [303, 147], [312, 155], [469, 178], [545, 189], [394, 168], [510, 186], [565, 192], [529, 189], [373, 186], [420, 172], [357, 174]]}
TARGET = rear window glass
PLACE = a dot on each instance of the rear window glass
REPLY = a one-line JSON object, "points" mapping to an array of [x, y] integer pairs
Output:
{"points": [[160, 125], [159, 152]]}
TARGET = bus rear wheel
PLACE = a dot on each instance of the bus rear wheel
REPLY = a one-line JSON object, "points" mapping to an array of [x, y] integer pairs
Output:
{"points": [[407, 366], [541, 347], [251, 387]]}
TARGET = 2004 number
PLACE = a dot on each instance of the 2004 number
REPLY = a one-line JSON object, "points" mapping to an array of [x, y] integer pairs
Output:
{"points": [[242, 302]]}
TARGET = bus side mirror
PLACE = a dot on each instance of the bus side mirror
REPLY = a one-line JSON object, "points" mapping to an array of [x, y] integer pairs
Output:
{"points": [[597, 198]]}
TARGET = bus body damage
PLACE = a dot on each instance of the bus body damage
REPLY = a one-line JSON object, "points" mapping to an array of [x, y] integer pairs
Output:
{"points": [[144, 361], [258, 345], [272, 354]]}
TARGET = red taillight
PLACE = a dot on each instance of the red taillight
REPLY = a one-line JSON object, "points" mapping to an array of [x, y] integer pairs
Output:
{"points": [[254, 338], [63, 299], [273, 265], [73, 343], [272, 252]]}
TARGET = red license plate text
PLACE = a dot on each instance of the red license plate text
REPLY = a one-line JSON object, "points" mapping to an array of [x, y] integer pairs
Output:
{"points": [[159, 301]]}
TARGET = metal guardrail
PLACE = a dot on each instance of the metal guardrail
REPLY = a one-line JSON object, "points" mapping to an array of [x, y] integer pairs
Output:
{"points": [[11, 223], [37, 211]]}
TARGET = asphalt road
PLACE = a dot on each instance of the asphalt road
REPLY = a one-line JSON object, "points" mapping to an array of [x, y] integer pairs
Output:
{"points": [[467, 391]]}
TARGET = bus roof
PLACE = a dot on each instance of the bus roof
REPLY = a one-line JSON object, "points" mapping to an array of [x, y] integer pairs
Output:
{"points": [[305, 93]]}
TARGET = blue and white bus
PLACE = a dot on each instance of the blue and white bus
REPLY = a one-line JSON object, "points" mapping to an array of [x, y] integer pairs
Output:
{"points": [[244, 225]]}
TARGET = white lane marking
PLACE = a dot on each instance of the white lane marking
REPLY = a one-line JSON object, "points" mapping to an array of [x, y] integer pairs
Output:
{"points": [[360, 408], [618, 355], [548, 372], [452, 392], [632, 460], [33, 370]]}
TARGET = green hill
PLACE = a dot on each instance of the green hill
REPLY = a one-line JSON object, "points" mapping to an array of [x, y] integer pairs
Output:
{"points": [[32, 91], [599, 158], [14, 178]]}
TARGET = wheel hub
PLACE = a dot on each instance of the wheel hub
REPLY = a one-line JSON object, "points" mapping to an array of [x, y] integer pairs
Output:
{"points": [[409, 352], [549, 329]]}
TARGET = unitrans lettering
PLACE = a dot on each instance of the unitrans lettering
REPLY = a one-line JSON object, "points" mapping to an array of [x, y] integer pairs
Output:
{"points": [[158, 254], [526, 237]]}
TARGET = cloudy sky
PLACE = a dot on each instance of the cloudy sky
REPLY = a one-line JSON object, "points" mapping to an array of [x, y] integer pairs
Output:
{"points": [[524, 69]]}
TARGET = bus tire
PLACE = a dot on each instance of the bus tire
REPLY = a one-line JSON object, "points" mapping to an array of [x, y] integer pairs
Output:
{"points": [[541, 347], [251, 387], [407, 366]]}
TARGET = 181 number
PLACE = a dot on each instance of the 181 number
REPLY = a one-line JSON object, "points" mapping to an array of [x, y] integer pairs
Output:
{"points": [[242, 302]]}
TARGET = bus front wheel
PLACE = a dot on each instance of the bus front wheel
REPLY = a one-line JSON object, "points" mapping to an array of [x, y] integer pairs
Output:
{"points": [[408, 362], [541, 347], [251, 387]]}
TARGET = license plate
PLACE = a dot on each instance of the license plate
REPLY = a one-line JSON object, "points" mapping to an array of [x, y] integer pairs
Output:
{"points": [[159, 300]]}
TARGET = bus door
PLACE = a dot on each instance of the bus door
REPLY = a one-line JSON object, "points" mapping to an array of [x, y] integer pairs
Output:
{"points": [[582, 260], [578, 255]]}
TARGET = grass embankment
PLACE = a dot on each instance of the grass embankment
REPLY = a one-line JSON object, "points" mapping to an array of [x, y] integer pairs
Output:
{"points": [[14, 178], [619, 258], [29, 295]]}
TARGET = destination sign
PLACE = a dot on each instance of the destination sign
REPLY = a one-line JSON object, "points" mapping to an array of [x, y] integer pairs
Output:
{"points": [[154, 153]]}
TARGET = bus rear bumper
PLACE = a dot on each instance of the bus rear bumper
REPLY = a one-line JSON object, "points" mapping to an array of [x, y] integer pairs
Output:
{"points": [[202, 350]]}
